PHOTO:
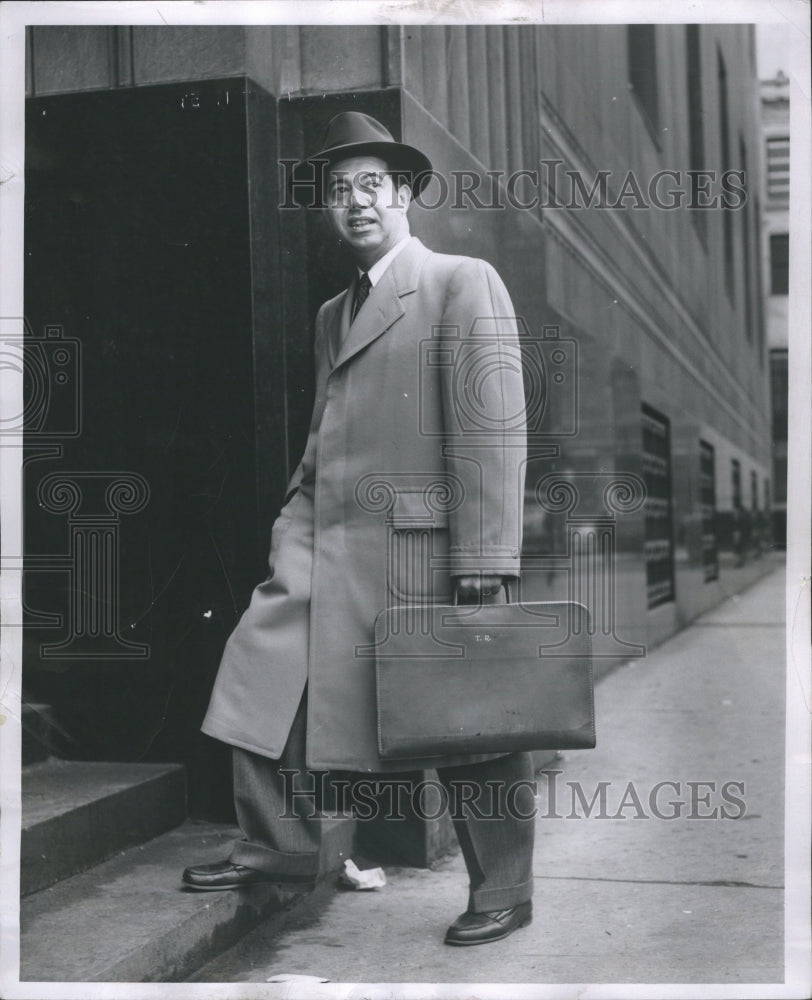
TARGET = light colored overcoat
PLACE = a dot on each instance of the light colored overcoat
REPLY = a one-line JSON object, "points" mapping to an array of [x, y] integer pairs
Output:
{"points": [[413, 472]]}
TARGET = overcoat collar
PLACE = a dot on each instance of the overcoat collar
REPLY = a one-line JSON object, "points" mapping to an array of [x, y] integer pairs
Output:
{"points": [[382, 308]]}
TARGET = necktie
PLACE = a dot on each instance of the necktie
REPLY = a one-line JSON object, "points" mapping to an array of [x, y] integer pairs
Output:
{"points": [[361, 293]]}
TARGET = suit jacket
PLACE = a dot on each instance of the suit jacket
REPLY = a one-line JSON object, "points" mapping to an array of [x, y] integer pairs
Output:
{"points": [[415, 461]]}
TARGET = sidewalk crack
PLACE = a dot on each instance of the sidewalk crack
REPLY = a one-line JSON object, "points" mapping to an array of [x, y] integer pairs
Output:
{"points": [[711, 883]]}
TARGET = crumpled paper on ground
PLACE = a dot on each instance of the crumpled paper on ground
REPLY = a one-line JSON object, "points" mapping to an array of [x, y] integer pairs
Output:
{"points": [[372, 878]]}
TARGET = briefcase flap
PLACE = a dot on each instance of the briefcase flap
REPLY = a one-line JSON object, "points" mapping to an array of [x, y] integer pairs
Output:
{"points": [[482, 679]]}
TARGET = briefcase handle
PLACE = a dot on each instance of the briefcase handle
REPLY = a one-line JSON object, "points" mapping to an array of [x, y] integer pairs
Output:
{"points": [[505, 584]]}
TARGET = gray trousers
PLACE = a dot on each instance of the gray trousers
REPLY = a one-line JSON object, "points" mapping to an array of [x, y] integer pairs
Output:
{"points": [[282, 835]]}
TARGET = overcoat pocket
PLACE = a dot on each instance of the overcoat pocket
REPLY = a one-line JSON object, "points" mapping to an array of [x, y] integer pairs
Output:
{"points": [[418, 547]]}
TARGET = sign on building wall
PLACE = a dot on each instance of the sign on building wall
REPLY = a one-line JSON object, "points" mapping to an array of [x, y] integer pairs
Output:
{"points": [[707, 501], [659, 543]]}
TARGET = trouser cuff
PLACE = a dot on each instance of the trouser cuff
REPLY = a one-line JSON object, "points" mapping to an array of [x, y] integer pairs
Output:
{"points": [[481, 900], [287, 869]]}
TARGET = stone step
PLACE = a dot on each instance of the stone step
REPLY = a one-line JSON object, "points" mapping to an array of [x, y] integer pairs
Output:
{"points": [[130, 920], [78, 813]]}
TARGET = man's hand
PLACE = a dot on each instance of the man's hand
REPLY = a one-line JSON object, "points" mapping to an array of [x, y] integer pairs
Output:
{"points": [[470, 589]]}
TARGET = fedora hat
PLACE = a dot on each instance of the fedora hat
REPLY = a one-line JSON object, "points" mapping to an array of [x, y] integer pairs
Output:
{"points": [[352, 133]]}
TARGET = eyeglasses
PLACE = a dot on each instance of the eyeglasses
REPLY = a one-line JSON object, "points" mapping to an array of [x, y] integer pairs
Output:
{"points": [[362, 188]]}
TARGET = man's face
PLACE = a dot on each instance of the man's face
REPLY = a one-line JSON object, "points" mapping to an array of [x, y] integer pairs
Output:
{"points": [[366, 209]]}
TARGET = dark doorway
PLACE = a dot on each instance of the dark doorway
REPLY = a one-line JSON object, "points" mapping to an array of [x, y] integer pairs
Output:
{"points": [[150, 259]]}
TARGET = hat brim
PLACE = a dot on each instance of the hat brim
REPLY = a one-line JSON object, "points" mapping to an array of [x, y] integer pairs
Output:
{"points": [[399, 158]]}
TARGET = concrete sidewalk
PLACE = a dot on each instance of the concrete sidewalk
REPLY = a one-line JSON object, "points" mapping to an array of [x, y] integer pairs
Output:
{"points": [[623, 894]]}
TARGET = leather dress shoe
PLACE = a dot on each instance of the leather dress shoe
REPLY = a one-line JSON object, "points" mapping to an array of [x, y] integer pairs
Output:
{"points": [[222, 875], [493, 925]]}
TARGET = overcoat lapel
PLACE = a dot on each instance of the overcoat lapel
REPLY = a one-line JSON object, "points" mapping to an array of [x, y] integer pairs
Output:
{"points": [[383, 307], [340, 324]]}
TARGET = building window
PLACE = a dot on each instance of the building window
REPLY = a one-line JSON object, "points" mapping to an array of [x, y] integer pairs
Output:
{"points": [[753, 490], [779, 390], [696, 131], [707, 506], [759, 285], [736, 482], [779, 264], [642, 54], [696, 124], [778, 167], [748, 284], [724, 138], [659, 542]]}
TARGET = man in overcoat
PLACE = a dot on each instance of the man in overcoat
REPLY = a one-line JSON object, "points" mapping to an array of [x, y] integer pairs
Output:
{"points": [[410, 488]]}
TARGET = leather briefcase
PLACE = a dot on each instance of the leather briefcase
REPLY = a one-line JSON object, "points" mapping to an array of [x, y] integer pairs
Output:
{"points": [[483, 678]]}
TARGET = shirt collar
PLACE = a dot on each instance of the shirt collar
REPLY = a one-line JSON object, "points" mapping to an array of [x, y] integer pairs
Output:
{"points": [[376, 271]]}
